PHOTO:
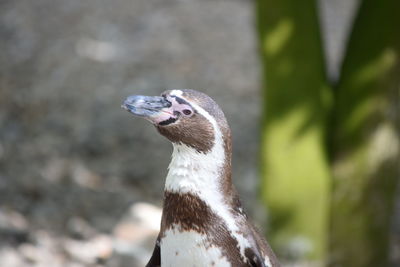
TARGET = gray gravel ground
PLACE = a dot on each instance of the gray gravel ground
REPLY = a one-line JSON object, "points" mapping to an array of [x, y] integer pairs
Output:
{"points": [[72, 163]]}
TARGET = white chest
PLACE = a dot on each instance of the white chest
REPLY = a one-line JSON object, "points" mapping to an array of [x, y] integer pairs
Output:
{"points": [[189, 249]]}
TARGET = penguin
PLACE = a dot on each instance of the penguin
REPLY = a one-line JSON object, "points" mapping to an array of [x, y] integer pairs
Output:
{"points": [[203, 222]]}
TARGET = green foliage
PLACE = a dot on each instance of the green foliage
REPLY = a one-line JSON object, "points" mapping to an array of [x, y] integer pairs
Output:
{"points": [[296, 97], [345, 135], [365, 140]]}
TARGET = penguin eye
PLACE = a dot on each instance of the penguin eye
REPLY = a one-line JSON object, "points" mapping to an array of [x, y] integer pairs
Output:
{"points": [[187, 112]]}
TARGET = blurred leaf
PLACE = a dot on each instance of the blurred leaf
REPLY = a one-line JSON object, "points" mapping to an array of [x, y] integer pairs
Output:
{"points": [[365, 138], [295, 184]]}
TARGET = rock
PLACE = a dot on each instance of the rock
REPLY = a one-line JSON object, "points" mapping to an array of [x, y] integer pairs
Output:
{"points": [[80, 228], [13, 220], [10, 258], [99, 248], [135, 234]]}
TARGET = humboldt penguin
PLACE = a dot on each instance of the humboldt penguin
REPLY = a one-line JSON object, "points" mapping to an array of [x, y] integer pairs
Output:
{"points": [[203, 223]]}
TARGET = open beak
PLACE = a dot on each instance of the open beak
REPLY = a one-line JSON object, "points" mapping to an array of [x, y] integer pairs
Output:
{"points": [[152, 108]]}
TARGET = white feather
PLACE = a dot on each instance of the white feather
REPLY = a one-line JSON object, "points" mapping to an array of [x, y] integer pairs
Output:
{"points": [[267, 262], [189, 249], [176, 92]]}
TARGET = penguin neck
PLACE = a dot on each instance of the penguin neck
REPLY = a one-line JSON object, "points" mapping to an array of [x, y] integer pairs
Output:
{"points": [[204, 175]]}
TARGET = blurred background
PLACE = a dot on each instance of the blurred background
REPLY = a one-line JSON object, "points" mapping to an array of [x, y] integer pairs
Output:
{"points": [[310, 88]]}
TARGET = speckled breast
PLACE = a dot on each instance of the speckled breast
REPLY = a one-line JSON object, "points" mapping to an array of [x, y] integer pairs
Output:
{"points": [[190, 249]]}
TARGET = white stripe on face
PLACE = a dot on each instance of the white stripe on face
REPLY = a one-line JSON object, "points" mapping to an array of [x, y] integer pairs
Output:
{"points": [[176, 92]]}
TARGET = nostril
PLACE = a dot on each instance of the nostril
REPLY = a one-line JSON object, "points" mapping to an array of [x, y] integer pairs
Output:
{"points": [[167, 103]]}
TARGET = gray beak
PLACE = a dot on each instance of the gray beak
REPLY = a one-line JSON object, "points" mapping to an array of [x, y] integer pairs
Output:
{"points": [[145, 106]]}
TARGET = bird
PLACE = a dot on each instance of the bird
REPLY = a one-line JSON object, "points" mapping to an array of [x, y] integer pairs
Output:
{"points": [[202, 222]]}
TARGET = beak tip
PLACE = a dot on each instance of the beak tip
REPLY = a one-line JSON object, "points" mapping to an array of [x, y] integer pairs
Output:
{"points": [[125, 106]]}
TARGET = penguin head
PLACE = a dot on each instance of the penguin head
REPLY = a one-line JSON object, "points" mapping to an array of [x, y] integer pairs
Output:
{"points": [[184, 116]]}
